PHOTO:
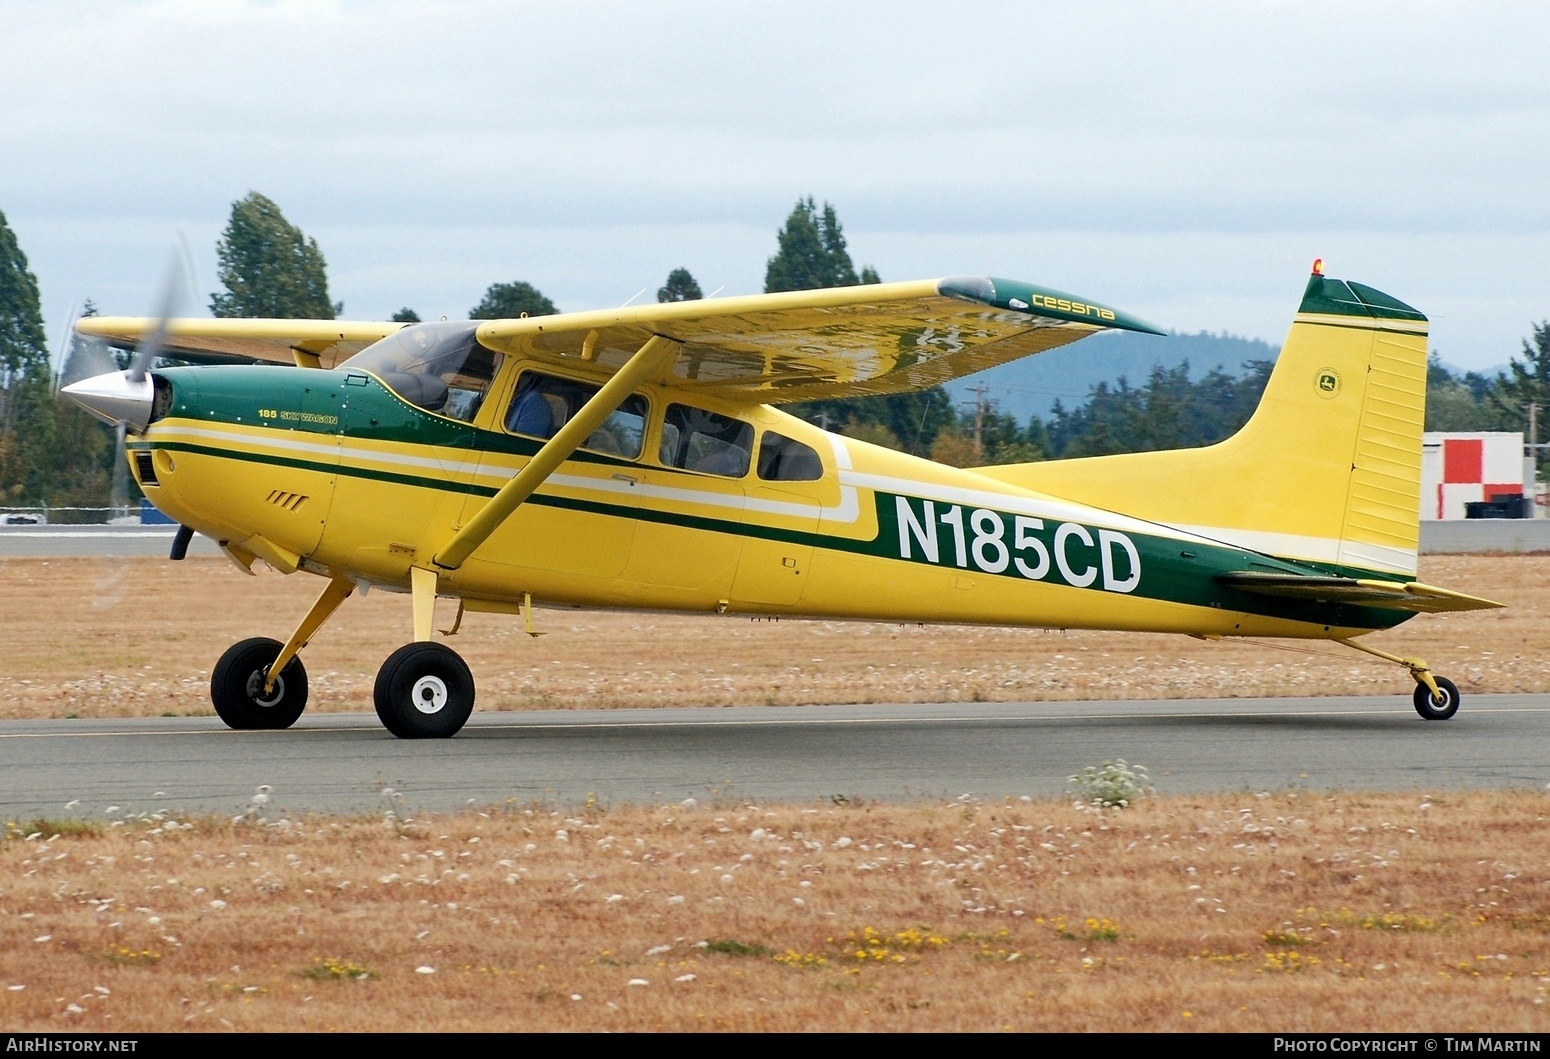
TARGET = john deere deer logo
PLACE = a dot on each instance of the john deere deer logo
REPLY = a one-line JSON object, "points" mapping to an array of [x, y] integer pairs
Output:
{"points": [[1328, 382]]}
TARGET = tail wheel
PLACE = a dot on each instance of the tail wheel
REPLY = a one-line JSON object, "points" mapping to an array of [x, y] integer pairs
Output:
{"points": [[1435, 709], [424, 691], [237, 686]]}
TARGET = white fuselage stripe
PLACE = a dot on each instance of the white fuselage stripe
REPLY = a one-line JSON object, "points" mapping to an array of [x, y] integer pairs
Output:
{"points": [[848, 510]]}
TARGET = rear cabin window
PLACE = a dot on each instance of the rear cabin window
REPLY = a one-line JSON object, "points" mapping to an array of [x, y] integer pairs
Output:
{"points": [[545, 403], [439, 367], [697, 440], [782, 459]]}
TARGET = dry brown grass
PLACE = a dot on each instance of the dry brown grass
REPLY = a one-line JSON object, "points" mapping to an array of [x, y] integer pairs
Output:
{"points": [[1289, 911], [136, 637]]}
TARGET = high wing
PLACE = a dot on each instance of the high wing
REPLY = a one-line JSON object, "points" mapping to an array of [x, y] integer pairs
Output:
{"points": [[1396, 595], [319, 343], [771, 348], [839, 342]]}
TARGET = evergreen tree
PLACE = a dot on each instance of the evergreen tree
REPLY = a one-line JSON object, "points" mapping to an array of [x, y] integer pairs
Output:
{"points": [[811, 254], [406, 315], [23, 347], [1527, 382], [1463, 402], [680, 287], [269, 267], [508, 301], [1169, 412], [25, 378]]}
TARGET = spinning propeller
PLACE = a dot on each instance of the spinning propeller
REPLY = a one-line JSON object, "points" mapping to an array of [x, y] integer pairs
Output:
{"points": [[90, 377]]}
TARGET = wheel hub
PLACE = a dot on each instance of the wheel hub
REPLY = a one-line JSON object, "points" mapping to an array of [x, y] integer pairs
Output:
{"points": [[429, 694], [256, 690]]}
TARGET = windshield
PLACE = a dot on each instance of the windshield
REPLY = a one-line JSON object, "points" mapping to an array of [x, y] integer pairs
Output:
{"points": [[439, 367]]}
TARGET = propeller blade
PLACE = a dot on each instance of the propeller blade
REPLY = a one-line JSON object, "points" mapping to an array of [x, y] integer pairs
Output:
{"points": [[173, 289], [119, 497], [65, 347]]}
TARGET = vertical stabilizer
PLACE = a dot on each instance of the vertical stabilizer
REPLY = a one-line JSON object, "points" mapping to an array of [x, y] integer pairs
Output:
{"points": [[1328, 469]]}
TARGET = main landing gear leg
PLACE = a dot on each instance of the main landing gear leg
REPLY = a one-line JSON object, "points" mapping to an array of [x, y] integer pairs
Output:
{"points": [[1436, 698], [261, 683], [424, 690]]}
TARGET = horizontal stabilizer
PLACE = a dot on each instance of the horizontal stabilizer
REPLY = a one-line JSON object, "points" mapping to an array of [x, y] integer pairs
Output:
{"points": [[1395, 595]]}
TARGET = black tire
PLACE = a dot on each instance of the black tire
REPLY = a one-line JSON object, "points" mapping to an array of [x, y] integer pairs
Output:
{"points": [[237, 686], [1430, 708], [424, 691]]}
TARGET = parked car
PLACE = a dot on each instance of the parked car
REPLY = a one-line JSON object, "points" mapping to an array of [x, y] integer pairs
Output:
{"points": [[23, 518]]}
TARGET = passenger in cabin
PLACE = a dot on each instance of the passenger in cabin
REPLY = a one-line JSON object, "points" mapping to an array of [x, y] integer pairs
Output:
{"points": [[530, 412]]}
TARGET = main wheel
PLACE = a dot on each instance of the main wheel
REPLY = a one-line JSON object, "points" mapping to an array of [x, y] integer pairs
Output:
{"points": [[424, 691], [1434, 709], [237, 686]]}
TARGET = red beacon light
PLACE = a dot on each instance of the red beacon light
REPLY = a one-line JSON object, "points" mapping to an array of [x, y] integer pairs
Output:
{"points": [[1318, 266]]}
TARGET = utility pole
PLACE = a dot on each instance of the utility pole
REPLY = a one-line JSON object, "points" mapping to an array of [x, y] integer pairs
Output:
{"points": [[982, 405]]}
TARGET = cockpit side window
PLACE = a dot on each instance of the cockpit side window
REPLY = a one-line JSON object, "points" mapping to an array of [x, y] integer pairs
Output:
{"points": [[544, 403], [440, 367], [782, 459], [697, 440]]}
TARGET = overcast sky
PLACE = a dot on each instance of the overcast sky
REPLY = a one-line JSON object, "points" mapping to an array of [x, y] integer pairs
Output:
{"points": [[1183, 161]]}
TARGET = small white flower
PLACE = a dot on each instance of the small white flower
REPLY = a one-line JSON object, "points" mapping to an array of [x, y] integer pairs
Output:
{"points": [[424, 969], [638, 981], [575, 996], [688, 803], [217, 904], [15, 988], [758, 834], [41, 938], [562, 835], [614, 899], [75, 1009], [658, 950], [841, 842], [799, 902], [390, 877], [684, 978], [676, 899], [726, 880]]}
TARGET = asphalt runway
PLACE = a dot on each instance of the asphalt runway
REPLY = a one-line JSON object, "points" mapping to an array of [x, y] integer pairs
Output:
{"points": [[343, 762], [50, 542]]}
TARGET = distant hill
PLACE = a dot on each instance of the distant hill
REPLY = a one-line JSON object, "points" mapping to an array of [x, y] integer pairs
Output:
{"points": [[1030, 386]]}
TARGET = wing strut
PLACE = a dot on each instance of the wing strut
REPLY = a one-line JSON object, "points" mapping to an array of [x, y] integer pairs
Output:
{"points": [[646, 361]]}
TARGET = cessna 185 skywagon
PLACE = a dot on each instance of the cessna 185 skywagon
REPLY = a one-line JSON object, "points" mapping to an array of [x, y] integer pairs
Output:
{"points": [[634, 458]]}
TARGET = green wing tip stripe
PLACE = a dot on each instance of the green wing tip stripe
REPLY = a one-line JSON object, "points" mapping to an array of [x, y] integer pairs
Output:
{"points": [[1338, 297], [1015, 296]]}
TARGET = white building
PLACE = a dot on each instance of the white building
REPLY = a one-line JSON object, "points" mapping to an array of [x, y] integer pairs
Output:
{"points": [[1460, 468]]}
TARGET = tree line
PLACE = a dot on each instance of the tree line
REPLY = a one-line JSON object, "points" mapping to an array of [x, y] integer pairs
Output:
{"points": [[54, 454]]}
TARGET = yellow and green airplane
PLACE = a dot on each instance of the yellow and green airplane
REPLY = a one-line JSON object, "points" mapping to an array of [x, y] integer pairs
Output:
{"points": [[635, 458]]}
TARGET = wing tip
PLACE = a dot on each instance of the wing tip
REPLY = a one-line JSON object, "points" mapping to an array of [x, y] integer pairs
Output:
{"points": [[1017, 296]]}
